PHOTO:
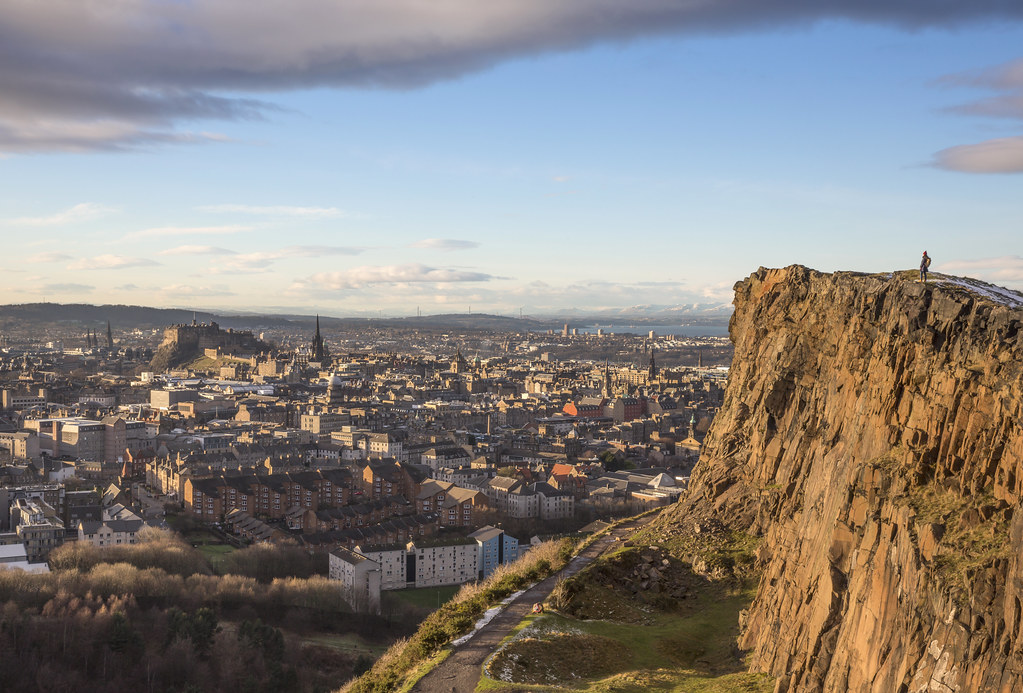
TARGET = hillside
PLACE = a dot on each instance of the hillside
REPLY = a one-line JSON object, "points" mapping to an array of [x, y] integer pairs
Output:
{"points": [[871, 438]]}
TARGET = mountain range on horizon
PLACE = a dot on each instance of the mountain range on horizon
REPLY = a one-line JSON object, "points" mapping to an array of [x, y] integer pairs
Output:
{"points": [[145, 316]]}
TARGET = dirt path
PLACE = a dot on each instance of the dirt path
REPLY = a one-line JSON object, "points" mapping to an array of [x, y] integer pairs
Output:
{"points": [[461, 671]]}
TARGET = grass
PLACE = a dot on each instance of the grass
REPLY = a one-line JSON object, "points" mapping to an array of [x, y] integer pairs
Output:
{"points": [[215, 553], [966, 547], [694, 651], [349, 642], [409, 660], [428, 597]]}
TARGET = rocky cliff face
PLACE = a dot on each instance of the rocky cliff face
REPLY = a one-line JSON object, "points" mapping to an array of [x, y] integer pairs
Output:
{"points": [[872, 435]]}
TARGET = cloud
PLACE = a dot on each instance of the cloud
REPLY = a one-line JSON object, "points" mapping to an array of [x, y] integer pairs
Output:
{"points": [[196, 250], [1006, 268], [188, 231], [57, 288], [279, 211], [259, 262], [110, 262], [78, 76], [48, 257], [1002, 155], [358, 277], [190, 290], [80, 212], [444, 244]]}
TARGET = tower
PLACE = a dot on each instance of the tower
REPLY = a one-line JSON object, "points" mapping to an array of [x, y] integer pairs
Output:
{"points": [[110, 337], [607, 380], [652, 371], [320, 352]]}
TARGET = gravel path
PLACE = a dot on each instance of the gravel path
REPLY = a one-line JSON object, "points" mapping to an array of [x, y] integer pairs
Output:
{"points": [[462, 670]]}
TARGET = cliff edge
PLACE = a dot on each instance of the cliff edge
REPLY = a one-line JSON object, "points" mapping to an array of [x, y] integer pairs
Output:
{"points": [[871, 436]]}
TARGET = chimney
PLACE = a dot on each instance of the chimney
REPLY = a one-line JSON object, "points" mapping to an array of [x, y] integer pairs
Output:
{"points": [[57, 426]]}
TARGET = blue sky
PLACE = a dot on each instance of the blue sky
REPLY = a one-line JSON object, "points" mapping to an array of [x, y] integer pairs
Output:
{"points": [[531, 162]]}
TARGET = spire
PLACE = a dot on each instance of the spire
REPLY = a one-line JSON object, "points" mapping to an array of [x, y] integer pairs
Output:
{"points": [[320, 352], [110, 337], [652, 373]]}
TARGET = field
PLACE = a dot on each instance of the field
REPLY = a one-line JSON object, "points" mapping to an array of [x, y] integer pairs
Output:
{"points": [[427, 597], [215, 553]]}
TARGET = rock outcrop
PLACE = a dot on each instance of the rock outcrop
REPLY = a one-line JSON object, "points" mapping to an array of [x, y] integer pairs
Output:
{"points": [[872, 435]]}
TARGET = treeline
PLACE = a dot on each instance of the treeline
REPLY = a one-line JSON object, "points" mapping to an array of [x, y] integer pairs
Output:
{"points": [[152, 617], [172, 554], [89, 643]]}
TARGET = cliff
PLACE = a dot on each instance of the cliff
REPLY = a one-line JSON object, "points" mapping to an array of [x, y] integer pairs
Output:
{"points": [[871, 436]]}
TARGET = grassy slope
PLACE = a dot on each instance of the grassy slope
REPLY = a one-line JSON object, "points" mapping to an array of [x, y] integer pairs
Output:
{"points": [[643, 642]]}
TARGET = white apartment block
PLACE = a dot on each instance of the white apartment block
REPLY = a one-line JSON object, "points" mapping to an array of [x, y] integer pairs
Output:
{"points": [[443, 561], [392, 560]]}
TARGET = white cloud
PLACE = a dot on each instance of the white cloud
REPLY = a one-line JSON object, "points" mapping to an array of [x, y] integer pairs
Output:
{"points": [[48, 257], [193, 291], [188, 231], [1006, 268], [1003, 155], [358, 277], [444, 244], [84, 211], [196, 250], [108, 262], [259, 262], [279, 211]]}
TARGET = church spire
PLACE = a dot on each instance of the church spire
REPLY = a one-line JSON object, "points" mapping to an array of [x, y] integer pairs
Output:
{"points": [[110, 337], [320, 353]]}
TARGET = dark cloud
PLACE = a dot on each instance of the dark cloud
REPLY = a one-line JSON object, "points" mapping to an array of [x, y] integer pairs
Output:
{"points": [[83, 76]]}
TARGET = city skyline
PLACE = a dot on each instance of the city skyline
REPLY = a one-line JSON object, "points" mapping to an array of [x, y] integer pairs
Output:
{"points": [[349, 160]]}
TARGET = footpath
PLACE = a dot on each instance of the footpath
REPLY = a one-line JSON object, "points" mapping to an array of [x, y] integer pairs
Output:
{"points": [[462, 670]]}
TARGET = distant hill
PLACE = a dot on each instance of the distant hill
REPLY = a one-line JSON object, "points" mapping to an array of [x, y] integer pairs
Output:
{"points": [[123, 316]]}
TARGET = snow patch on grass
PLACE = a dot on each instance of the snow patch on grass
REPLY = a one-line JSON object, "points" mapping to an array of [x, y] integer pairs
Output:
{"points": [[998, 294], [487, 617]]}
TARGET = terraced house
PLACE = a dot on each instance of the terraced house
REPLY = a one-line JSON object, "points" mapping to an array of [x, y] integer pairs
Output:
{"points": [[269, 496]]}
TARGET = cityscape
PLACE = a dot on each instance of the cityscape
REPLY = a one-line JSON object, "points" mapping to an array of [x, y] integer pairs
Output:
{"points": [[523, 345]]}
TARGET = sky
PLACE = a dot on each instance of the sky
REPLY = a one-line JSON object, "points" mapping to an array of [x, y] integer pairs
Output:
{"points": [[349, 157]]}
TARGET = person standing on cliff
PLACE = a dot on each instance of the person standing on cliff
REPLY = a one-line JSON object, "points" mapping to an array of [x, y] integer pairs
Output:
{"points": [[925, 262]]}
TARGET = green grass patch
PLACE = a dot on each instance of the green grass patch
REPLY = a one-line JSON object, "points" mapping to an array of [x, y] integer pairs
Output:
{"points": [[694, 651], [428, 597], [215, 553], [348, 642]]}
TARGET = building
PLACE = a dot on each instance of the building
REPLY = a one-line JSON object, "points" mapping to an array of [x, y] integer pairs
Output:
{"points": [[118, 526], [392, 560], [38, 527], [449, 561], [495, 548], [359, 577]]}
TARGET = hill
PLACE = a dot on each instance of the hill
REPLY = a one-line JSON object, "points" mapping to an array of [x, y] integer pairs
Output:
{"points": [[83, 314], [871, 438]]}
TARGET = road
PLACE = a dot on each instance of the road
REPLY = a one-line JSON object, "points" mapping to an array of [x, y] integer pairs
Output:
{"points": [[461, 671]]}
